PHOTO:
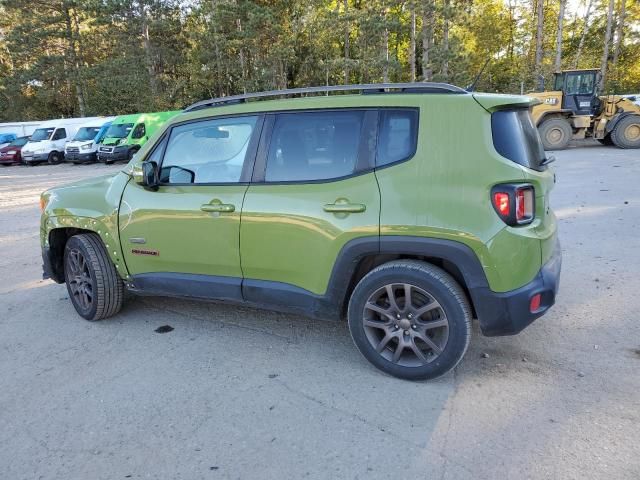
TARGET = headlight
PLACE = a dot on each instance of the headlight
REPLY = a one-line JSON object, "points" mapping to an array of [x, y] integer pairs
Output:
{"points": [[121, 141], [12, 152], [86, 147]]}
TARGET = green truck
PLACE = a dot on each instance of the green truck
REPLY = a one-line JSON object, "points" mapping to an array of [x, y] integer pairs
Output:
{"points": [[407, 211], [128, 133]]}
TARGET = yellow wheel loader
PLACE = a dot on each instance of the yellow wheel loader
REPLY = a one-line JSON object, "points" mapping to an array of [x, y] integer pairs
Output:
{"points": [[573, 110]]}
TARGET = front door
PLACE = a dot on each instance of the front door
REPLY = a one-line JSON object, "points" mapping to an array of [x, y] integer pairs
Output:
{"points": [[314, 190], [184, 237]]}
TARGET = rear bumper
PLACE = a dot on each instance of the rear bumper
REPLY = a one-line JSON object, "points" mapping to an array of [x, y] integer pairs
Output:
{"points": [[508, 313], [79, 157]]}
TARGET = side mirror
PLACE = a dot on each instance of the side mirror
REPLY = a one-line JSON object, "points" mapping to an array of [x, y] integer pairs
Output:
{"points": [[146, 175]]}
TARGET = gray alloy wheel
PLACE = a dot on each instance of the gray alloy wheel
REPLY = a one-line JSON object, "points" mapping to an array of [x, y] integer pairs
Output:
{"points": [[79, 280], [410, 319], [405, 324]]}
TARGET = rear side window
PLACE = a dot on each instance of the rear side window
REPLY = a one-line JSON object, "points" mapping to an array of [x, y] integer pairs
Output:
{"points": [[515, 137], [314, 146], [397, 137]]}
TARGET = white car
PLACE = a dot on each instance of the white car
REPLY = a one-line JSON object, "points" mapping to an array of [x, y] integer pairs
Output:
{"points": [[49, 139], [84, 146]]}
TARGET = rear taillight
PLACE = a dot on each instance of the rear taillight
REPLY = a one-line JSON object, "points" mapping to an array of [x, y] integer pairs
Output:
{"points": [[514, 203]]}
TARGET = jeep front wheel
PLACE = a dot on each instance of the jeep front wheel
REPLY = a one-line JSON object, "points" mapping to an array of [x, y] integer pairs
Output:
{"points": [[94, 286], [555, 133], [410, 319]]}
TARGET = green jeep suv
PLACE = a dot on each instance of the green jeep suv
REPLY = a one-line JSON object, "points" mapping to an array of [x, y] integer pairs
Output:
{"points": [[407, 209]]}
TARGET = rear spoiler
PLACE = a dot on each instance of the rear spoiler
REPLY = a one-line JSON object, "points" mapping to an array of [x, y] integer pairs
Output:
{"points": [[494, 101]]}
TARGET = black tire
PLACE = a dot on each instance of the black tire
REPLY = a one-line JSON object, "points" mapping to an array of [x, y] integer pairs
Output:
{"points": [[97, 276], [626, 133], [555, 133], [55, 158], [425, 282], [606, 140]]}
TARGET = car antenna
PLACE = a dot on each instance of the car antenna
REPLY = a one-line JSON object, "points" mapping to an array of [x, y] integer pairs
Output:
{"points": [[472, 87]]}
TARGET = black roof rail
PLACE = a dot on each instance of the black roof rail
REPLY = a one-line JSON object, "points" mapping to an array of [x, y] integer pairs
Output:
{"points": [[371, 88]]}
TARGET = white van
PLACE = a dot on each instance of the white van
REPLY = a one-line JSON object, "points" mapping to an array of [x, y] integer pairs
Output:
{"points": [[84, 146], [48, 140]]}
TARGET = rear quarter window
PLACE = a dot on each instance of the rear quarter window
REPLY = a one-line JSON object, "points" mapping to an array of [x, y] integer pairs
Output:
{"points": [[515, 137], [397, 136]]}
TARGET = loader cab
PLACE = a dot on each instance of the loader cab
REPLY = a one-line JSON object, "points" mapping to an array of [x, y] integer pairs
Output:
{"points": [[579, 91]]}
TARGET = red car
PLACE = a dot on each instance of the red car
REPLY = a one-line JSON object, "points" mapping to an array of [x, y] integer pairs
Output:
{"points": [[11, 153]]}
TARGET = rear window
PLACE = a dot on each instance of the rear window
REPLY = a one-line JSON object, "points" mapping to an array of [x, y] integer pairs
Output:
{"points": [[516, 138]]}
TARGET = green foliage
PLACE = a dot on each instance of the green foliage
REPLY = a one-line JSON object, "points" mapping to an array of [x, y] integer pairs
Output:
{"points": [[92, 57]]}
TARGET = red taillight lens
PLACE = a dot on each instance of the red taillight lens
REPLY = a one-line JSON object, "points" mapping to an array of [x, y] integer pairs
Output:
{"points": [[534, 305], [514, 203], [501, 203]]}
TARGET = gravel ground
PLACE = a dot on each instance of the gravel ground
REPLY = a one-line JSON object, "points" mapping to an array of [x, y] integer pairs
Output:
{"points": [[239, 393]]}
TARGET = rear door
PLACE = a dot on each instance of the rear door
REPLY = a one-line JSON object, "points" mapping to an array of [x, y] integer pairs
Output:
{"points": [[184, 237], [313, 190]]}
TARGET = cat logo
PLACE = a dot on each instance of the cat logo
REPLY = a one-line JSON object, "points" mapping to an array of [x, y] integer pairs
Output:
{"points": [[551, 100]]}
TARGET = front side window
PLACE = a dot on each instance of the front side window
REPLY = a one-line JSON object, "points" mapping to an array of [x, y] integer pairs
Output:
{"points": [[139, 131], [60, 134], [580, 84], [42, 134], [397, 137], [210, 151]]}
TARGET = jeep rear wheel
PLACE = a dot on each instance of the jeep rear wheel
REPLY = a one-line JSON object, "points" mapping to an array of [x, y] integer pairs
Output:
{"points": [[555, 133], [410, 319], [626, 133], [94, 286]]}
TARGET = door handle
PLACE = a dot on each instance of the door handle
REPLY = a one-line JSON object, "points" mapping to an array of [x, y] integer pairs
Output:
{"points": [[344, 207], [218, 207]]}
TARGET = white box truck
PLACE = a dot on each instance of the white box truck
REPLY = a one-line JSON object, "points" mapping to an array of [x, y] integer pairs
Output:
{"points": [[84, 146], [49, 139]]}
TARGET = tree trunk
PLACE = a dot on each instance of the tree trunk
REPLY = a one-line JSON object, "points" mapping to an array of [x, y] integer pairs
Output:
{"points": [[242, 60], [385, 41], [347, 35], [585, 31], [539, 37], [412, 43], [445, 40], [427, 40], [74, 77], [558, 63], [619, 32], [148, 53], [605, 51]]}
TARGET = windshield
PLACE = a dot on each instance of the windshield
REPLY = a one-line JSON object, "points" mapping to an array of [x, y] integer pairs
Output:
{"points": [[120, 130], [516, 138], [19, 142], [42, 134], [86, 133]]}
